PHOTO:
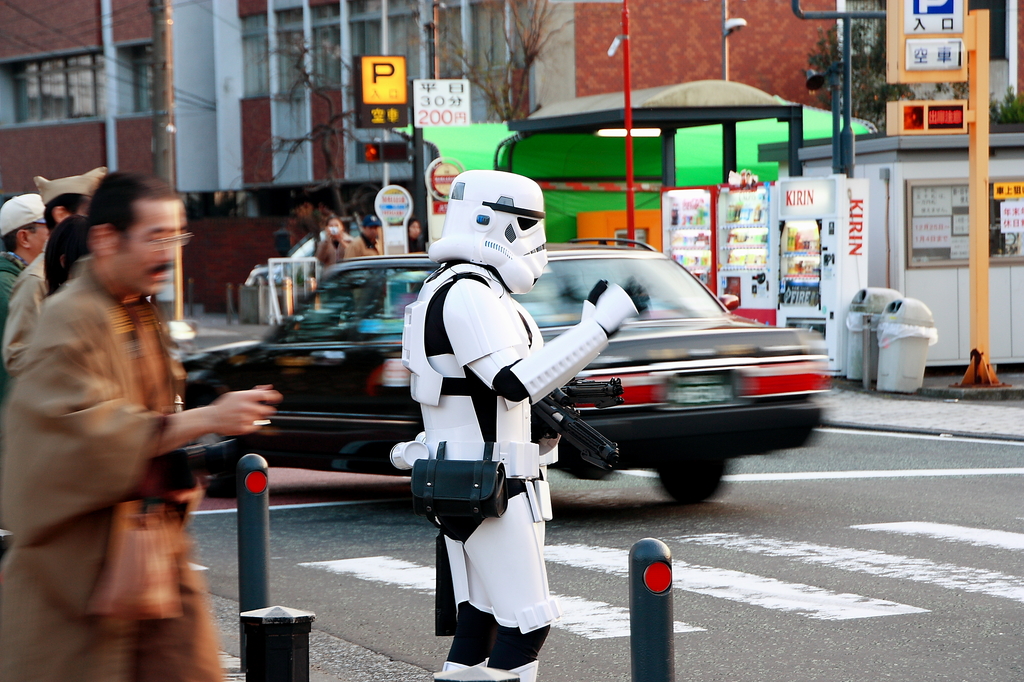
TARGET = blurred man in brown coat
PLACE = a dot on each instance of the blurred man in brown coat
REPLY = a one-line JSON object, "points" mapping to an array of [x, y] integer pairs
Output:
{"points": [[86, 432]]}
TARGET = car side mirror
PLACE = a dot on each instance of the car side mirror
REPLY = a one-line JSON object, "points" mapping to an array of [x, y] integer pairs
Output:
{"points": [[730, 301]]}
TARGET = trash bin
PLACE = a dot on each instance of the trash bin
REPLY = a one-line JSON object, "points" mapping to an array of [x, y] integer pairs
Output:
{"points": [[871, 301], [905, 331]]}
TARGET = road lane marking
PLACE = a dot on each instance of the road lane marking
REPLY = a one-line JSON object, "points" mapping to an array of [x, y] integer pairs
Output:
{"points": [[871, 562], [583, 617], [844, 475], [947, 437], [979, 537], [305, 505], [746, 588]]}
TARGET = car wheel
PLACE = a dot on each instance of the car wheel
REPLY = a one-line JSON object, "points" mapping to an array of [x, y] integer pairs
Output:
{"points": [[692, 482]]}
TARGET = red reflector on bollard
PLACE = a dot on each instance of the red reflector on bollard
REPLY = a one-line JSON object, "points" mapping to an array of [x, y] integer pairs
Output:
{"points": [[256, 482], [658, 577]]}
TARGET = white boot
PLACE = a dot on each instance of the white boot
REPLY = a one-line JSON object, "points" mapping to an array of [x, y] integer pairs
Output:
{"points": [[528, 672], [449, 665]]}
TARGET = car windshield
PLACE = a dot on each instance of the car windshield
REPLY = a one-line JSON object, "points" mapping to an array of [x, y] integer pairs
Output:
{"points": [[368, 304], [357, 305], [660, 289]]}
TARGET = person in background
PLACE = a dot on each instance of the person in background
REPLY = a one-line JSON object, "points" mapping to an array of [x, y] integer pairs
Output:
{"points": [[68, 196], [282, 241], [62, 198], [23, 229], [67, 244], [417, 240], [89, 432], [368, 241], [331, 248]]}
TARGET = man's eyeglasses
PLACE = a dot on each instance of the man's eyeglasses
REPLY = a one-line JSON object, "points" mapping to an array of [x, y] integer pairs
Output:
{"points": [[169, 242]]}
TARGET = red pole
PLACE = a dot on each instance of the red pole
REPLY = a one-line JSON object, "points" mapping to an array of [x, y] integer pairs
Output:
{"points": [[627, 86]]}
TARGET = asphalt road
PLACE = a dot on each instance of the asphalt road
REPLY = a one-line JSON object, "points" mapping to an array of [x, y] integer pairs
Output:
{"points": [[863, 557]]}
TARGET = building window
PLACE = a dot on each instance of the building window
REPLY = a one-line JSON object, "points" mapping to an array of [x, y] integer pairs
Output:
{"points": [[291, 49], [254, 53], [58, 89], [996, 25], [140, 59], [403, 38], [488, 26], [327, 45]]}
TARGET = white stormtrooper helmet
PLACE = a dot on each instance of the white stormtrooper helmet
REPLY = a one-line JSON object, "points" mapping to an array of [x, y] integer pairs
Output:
{"points": [[496, 219]]}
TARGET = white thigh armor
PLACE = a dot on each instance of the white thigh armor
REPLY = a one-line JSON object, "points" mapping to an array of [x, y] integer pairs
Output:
{"points": [[500, 569]]}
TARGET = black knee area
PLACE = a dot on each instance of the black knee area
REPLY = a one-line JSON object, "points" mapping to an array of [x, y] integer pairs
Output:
{"points": [[513, 649], [475, 632]]}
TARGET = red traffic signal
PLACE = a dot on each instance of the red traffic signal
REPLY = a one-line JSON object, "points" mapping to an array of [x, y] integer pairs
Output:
{"points": [[380, 152]]}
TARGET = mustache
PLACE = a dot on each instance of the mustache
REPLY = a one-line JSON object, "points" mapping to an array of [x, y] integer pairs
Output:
{"points": [[157, 269]]}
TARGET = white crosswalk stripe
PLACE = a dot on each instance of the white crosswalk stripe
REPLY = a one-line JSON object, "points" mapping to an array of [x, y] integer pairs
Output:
{"points": [[979, 537], [871, 562], [583, 617], [769, 593]]}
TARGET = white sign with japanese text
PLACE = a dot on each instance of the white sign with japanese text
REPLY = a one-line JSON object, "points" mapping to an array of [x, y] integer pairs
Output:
{"points": [[931, 233], [1011, 216], [441, 102], [933, 16], [934, 54]]}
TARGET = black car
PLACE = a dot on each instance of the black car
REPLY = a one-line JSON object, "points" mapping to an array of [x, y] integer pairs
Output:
{"points": [[700, 385]]}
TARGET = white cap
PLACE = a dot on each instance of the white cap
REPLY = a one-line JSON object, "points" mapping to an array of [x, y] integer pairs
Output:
{"points": [[21, 211]]}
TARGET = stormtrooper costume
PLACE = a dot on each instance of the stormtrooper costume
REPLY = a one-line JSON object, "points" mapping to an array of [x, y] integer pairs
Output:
{"points": [[478, 361]]}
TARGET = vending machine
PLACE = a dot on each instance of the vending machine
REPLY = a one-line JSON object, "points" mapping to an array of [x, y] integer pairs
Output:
{"points": [[745, 266], [688, 218], [822, 259]]}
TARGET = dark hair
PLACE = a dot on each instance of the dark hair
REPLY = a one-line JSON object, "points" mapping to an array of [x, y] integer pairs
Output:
{"points": [[115, 198], [69, 200], [70, 240]]}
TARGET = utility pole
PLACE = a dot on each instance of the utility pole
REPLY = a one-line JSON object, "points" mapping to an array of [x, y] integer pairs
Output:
{"points": [[164, 129], [163, 91]]}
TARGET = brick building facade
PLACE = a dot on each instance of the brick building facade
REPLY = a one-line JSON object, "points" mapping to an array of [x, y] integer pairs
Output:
{"points": [[75, 85]]}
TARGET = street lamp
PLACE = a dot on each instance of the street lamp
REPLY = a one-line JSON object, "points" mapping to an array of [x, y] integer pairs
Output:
{"points": [[729, 26]]}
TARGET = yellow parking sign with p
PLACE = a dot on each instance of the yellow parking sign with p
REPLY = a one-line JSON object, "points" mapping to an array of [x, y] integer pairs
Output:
{"points": [[384, 80]]}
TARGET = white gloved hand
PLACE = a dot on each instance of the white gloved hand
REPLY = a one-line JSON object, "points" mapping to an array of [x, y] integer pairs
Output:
{"points": [[612, 307]]}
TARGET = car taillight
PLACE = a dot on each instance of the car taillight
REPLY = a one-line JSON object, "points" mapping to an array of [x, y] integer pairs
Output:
{"points": [[783, 379], [638, 389]]}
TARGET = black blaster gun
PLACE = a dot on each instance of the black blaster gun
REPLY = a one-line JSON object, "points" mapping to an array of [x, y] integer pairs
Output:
{"points": [[557, 415]]}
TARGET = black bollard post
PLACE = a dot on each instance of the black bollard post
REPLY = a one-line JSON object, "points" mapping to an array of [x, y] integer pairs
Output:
{"points": [[252, 488], [277, 644], [651, 643]]}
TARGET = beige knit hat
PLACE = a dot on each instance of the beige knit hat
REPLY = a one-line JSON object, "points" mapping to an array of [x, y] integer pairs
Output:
{"points": [[76, 184]]}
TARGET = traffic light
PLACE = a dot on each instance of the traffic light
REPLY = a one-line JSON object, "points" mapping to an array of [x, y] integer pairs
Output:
{"points": [[389, 152]]}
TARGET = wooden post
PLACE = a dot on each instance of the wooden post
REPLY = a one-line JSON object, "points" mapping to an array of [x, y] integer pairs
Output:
{"points": [[979, 372]]}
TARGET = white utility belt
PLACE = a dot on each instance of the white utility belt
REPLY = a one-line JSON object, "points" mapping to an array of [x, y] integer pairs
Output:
{"points": [[522, 460]]}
